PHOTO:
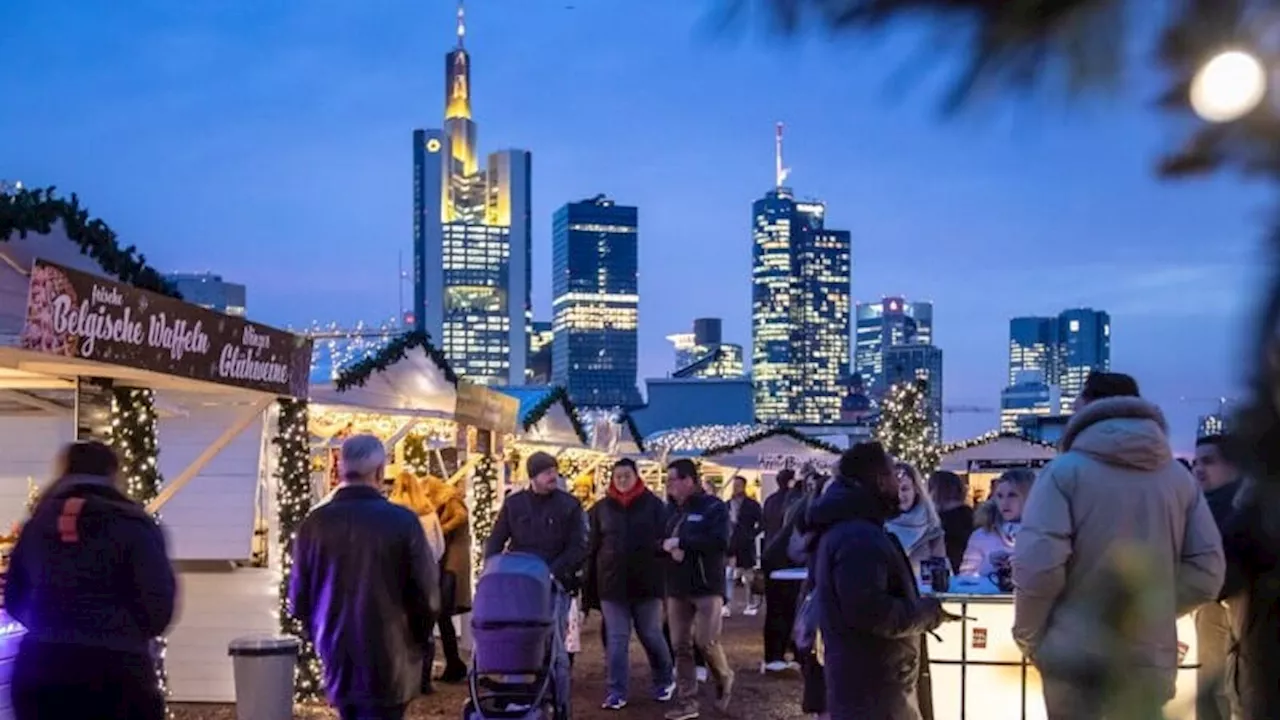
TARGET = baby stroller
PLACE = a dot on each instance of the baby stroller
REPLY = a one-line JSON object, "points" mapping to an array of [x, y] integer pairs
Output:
{"points": [[519, 670]]}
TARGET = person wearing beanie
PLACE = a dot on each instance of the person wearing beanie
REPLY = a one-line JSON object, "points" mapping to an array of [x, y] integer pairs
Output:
{"points": [[546, 521]]}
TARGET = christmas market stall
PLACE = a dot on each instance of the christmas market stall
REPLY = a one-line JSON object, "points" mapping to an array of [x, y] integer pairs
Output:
{"points": [[95, 345], [756, 452]]}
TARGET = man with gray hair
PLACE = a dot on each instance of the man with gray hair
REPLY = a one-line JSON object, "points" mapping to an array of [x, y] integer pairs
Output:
{"points": [[366, 589]]}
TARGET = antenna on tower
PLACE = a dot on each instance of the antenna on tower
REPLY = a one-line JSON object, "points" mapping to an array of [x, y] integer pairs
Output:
{"points": [[462, 24], [780, 172]]}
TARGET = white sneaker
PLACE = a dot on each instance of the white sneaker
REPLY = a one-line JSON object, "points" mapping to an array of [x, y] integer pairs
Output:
{"points": [[751, 611], [776, 666], [725, 612], [702, 674]]}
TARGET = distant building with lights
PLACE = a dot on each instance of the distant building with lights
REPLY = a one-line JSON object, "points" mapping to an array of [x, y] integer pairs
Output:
{"points": [[540, 348], [472, 240], [210, 291], [1064, 349], [702, 353], [800, 321], [905, 364], [1028, 396], [595, 299], [1212, 424], [883, 325]]}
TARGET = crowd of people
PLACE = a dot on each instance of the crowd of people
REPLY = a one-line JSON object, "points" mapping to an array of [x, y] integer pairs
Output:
{"points": [[1103, 550]]}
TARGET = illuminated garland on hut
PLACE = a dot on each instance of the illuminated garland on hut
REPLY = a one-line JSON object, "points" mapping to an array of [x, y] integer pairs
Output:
{"points": [[482, 502], [133, 437], [293, 498], [395, 351], [557, 395], [28, 211]]}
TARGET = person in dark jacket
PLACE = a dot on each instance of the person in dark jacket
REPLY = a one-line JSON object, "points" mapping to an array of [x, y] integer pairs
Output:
{"points": [[366, 589], [813, 694], [697, 538], [90, 580], [543, 520], [950, 492], [745, 516], [1215, 635], [780, 596], [871, 615], [625, 576], [455, 574]]}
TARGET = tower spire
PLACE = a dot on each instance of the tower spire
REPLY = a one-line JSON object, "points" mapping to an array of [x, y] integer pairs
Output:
{"points": [[462, 24], [779, 172]]}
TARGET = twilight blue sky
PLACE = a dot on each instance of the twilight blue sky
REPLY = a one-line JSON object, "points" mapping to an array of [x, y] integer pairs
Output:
{"points": [[270, 142]]}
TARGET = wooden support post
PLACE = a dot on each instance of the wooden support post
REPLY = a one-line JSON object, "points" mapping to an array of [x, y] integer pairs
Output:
{"points": [[466, 467], [223, 440], [399, 435]]}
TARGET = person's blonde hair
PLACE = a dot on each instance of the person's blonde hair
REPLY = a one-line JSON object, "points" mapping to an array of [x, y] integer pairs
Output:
{"points": [[987, 515], [922, 492], [407, 491]]}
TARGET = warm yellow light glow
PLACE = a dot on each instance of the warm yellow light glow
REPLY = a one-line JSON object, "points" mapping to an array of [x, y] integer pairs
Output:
{"points": [[1228, 87]]}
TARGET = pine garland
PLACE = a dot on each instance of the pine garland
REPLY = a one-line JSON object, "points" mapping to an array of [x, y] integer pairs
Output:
{"points": [[293, 498], [482, 502], [905, 428], [358, 373], [774, 431], [556, 395], [992, 437], [28, 211], [133, 437]]}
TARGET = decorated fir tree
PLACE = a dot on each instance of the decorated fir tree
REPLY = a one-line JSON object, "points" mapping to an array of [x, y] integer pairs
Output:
{"points": [[905, 428]]}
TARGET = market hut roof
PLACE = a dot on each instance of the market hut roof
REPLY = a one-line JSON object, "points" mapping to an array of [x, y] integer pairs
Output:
{"points": [[994, 446], [738, 441], [548, 415], [407, 376]]}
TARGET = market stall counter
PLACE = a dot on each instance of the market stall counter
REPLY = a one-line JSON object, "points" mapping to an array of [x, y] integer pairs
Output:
{"points": [[10, 633], [978, 672]]}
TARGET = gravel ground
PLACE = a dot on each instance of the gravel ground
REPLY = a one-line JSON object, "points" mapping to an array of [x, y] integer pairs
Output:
{"points": [[756, 696]]}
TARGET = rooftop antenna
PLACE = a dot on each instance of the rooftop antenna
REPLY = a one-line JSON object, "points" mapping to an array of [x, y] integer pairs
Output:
{"points": [[462, 24], [780, 172]]}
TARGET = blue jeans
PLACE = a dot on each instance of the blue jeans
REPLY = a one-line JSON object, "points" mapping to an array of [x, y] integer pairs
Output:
{"points": [[646, 615]]}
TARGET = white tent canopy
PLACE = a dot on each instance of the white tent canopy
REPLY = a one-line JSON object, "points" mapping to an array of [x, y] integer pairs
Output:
{"points": [[414, 385], [556, 425]]}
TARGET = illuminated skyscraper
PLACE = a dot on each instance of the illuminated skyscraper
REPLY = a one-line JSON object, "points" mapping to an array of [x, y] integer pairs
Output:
{"points": [[799, 307], [882, 325], [1063, 349], [703, 354], [595, 353], [472, 233]]}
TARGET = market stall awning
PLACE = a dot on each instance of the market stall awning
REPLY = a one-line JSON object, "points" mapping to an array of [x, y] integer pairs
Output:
{"points": [[548, 416], [745, 446]]}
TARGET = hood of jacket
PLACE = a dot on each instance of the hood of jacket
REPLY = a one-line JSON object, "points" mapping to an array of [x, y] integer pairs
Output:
{"points": [[1122, 432], [846, 500]]}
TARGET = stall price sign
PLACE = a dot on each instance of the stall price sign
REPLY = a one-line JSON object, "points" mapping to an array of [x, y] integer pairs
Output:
{"points": [[78, 315], [979, 638]]}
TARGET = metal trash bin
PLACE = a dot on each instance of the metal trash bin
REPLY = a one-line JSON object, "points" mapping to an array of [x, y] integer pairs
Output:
{"points": [[264, 669]]}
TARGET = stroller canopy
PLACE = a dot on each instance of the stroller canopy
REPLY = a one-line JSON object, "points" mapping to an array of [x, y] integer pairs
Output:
{"points": [[514, 589]]}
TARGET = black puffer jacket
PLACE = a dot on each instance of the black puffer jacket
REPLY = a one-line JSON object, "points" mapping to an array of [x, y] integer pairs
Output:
{"points": [[367, 591], [552, 526], [702, 524], [870, 612], [625, 549]]}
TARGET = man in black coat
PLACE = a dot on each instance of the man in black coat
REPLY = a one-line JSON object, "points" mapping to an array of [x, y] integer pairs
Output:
{"points": [[625, 574], [697, 539], [366, 588], [870, 611], [744, 528], [780, 596]]}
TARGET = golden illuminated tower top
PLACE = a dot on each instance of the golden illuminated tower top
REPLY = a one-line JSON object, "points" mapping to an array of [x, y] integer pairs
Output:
{"points": [[457, 102]]}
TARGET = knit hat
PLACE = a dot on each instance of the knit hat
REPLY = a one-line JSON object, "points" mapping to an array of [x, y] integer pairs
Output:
{"points": [[538, 463]]}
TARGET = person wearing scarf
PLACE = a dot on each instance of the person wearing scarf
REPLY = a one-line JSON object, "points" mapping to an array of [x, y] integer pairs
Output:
{"points": [[998, 521], [918, 528], [625, 580]]}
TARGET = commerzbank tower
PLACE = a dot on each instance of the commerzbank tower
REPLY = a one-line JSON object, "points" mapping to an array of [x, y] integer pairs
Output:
{"points": [[472, 241]]}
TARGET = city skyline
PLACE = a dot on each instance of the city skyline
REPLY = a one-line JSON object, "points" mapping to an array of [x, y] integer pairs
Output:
{"points": [[291, 152]]}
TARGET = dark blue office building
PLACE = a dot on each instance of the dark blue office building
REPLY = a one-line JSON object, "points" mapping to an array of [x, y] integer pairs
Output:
{"points": [[596, 302], [1063, 350]]}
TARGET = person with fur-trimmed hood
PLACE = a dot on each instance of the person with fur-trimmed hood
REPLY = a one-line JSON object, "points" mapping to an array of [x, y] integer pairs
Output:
{"points": [[1117, 542]]}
